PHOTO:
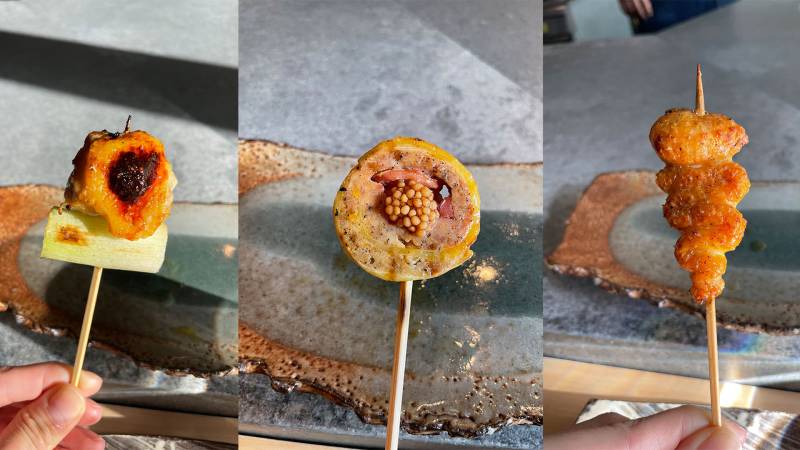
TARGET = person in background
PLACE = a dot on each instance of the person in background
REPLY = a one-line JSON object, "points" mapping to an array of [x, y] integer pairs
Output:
{"points": [[650, 16]]}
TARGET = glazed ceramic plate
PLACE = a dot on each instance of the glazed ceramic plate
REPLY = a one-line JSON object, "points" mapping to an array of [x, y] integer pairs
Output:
{"points": [[618, 236], [766, 430], [313, 320], [181, 320]]}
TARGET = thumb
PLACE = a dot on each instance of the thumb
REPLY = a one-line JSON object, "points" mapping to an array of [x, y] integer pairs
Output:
{"points": [[714, 438], [46, 421]]}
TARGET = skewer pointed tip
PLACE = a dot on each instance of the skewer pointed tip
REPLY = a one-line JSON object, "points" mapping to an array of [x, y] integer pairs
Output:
{"points": [[699, 100], [128, 122]]}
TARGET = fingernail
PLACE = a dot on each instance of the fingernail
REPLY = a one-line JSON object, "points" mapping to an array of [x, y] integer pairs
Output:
{"points": [[65, 405]]}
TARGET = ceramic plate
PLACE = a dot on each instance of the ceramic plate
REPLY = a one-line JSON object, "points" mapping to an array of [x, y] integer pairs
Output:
{"points": [[181, 320], [313, 320], [618, 236]]}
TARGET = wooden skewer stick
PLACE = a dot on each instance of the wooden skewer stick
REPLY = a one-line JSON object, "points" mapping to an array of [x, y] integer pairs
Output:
{"points": [[88, 314], [699, 99], [711, 308], [399, 366], [713, 365]]}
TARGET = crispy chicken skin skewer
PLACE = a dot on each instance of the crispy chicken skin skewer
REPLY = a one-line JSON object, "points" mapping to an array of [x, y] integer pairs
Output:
{"points": [[704, 186]]}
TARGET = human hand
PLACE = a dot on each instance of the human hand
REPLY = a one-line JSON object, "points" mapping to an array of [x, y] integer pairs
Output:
{"points": [[638, 9], [683, 428], [40, 410]]}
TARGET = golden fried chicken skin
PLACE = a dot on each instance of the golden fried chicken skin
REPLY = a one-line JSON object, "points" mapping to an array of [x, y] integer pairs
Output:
{"points": [[704, 186]]}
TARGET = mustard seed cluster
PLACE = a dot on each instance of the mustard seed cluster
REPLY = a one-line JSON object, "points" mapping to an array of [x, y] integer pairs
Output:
{"points": [[411, 206]]}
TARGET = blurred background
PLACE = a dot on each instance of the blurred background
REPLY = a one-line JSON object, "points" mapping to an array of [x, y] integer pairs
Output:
{"points": [[587, 20]]}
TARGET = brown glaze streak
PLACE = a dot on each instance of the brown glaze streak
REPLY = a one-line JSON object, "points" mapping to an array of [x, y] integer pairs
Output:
{"points": [[294, 370], [70, 234], [585, 250], [266, 162], [132, 174], [23, 206], [263, 162]]}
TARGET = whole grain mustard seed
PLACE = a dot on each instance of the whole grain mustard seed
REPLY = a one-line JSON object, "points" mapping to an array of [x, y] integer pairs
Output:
{"points": [[410, 205]]}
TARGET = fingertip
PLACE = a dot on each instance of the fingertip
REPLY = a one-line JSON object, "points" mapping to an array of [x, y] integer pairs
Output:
{"points": [[93, 414], [740, 431], [90, 382], [713, 438], [98, 443], [83, 439], [723, 438]]}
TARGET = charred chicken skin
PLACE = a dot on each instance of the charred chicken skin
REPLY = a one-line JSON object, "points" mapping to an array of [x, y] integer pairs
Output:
{"points": [[125, 178], [704, 186]]}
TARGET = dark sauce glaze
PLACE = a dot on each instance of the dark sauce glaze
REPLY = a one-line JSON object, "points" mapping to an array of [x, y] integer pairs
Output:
{"points": [[132, 174]]}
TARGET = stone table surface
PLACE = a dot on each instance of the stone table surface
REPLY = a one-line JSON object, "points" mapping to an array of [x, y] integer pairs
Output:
{"points": [[201, 30], [60, 79], [340, 76], [602, 97]]}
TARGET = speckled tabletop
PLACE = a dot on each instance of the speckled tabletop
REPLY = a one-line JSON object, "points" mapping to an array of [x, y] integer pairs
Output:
{"points": [[309, 417], [338, 77], [88, 70], [602, 97]]}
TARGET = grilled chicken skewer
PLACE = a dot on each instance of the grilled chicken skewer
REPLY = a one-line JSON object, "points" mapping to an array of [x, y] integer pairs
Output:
{"points": [[704, 186]]}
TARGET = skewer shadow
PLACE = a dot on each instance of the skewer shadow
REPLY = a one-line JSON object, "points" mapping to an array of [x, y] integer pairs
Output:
{"points": [[154, 320]]}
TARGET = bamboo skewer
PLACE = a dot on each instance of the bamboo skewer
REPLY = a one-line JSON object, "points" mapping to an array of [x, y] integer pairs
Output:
{"points": [[399, 366], [86, 327], [699, 99], [711, 308], [713, 362]]}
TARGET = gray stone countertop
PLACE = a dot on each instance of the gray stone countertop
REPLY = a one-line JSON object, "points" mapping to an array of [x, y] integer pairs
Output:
{"points": [[602, 97], [200, 30], [60, 79], [340, 76]]}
